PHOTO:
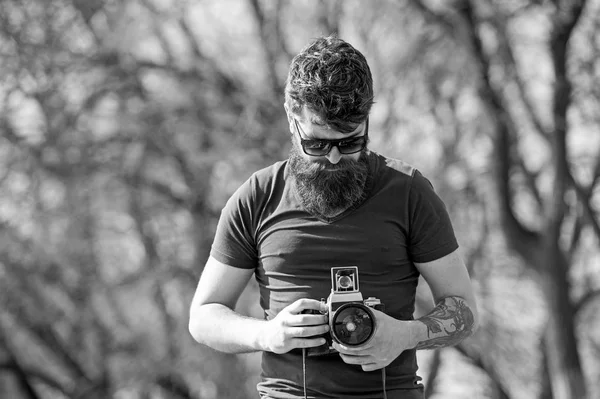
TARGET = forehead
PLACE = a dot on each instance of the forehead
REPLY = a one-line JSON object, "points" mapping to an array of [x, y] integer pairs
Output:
{"points": [[312, 126]]}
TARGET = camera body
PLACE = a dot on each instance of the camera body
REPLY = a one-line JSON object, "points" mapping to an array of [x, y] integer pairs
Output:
{"points": [[351, 320]]}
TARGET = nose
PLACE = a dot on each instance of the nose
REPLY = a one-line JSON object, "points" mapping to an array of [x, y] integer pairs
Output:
{"points": [[334, 155]]}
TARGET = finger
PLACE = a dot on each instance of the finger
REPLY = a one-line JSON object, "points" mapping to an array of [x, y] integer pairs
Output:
{"points": [[354, 350], [304, 304], [371, 367], [308, 320], [350, 359], [307, 342], [308, 331], [358, 360]]}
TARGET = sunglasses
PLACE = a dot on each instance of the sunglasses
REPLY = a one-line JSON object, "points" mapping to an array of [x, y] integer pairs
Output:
{"points": [[322, 147]]}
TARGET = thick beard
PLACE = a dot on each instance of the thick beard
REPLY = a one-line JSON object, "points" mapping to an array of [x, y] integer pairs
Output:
{"points": [[326, 189]]}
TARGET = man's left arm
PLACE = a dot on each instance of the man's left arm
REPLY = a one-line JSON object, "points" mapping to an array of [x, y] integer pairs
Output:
{"points": [[453, 319], [455, 315]]}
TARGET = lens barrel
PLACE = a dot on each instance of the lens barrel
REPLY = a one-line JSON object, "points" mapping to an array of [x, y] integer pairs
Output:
{"points": [[352, 324]]}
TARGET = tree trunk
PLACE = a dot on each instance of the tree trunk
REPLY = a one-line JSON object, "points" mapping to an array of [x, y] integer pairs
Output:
{"points": [[564, 365], [436, 363], [545, 385]]}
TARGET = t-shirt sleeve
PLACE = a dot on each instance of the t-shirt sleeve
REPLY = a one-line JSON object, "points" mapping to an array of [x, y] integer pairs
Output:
{"points": [[234, 242], [430, 229]]}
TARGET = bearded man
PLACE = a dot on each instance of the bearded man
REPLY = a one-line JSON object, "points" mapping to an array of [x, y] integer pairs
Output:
{"points": [[313, 226]]}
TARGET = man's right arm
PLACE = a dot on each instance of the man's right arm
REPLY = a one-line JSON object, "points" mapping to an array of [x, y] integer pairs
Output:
{"points": [[213, 321]]}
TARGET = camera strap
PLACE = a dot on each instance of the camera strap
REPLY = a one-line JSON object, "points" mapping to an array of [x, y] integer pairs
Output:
{"points": [[304, 376], [304, 371], [383, 383]]}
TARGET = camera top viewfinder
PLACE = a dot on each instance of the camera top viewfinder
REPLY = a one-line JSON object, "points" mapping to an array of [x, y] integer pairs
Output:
{"points": [[344, 279]]}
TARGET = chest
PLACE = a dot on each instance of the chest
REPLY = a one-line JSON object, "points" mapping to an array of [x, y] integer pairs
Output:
{"points": [[297, 253]]}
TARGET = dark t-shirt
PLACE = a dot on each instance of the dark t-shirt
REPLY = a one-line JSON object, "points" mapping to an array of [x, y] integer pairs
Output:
{"points": [[400, 221]]}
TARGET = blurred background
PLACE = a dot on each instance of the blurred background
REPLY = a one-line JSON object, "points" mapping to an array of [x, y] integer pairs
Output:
{"points": [[126, 124]]}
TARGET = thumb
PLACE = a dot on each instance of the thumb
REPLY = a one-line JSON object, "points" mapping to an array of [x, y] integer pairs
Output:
{"points": [[302, 304]]}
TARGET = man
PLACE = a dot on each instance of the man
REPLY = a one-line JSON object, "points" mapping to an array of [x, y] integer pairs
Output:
{"points": [[333, 203]]}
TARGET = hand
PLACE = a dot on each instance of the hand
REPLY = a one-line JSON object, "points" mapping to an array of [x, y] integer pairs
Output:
{"points": [[390, 339], [292, 329]]}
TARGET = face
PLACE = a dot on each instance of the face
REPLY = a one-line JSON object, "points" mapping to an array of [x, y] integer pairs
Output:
{"points": [[320, 143], [330, 183]]}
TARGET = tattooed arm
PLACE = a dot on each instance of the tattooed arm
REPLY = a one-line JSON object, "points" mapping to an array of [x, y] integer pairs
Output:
{"points": [[450, 322], [454, 317]]}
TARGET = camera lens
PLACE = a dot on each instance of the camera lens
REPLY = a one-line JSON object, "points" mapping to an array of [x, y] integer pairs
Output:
{"points": [[353, 324], [344, 282]]}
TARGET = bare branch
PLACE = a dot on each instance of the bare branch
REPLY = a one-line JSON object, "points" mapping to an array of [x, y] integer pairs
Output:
{"points": [[36, 326], [162, 189], [586, 299], [175, 385], [153, 261], [435, 365], [13, 364], [521, 238], [499, 22], [576, 235], [438, 18], [479, 361], [563, 24], [530, 181], [39, 376], [329, 15], [164, 42], [53, 343], [584, 197], [278, 33], [88, 9], [266, 34]]}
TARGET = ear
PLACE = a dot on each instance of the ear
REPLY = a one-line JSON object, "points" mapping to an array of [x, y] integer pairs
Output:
{"points": [[287, 113], [289, 118]]}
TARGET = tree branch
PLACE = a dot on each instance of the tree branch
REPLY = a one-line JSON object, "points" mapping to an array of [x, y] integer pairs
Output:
{"points": [[511, 65], [521, 239], [330, 12], [174, 384], [278, 33], [149, 240], [586, 299], [41, 332], [39, 376], [435, 365], [434, 16], [563, 24], [489, 369], [13, 364], [584, 197], [270, 57]]}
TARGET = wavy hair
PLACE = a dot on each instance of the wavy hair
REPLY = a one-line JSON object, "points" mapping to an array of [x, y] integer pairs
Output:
{"points": [[332, 79]]}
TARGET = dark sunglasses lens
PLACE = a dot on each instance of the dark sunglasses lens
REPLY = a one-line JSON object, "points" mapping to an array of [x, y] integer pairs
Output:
{"points": [[353, 146], [317, 148]]}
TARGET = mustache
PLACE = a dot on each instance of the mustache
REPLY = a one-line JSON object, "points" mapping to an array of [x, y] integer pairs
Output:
{"points": [[321, 165]]}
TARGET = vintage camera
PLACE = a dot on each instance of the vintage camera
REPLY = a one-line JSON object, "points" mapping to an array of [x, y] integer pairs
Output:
{"points": [[351, 319]]}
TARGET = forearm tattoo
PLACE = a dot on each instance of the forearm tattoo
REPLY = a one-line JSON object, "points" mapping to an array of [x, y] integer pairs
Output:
{"points": [[448, 323]]}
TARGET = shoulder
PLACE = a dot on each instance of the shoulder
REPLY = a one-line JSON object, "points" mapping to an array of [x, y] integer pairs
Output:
{"points": [[270, 173], [392, 171], [261, 183], [398, 172], [398, 165], [267, 179]]}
